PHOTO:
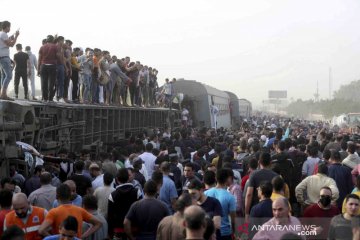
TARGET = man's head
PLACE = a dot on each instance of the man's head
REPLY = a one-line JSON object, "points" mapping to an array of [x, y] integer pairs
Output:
{"points": [[5, 26], [195, 219], [151, 188], [351, 147], [50, 39], [280, 208], [68, 42], [13, 233], [97, 52], [45, 178], [94, 170], [278, 184], [183, 202], [72, 187], [79, 166], [18, 47], [265, 190], [5, 199], [108, 179], [196, 189], [265, 159], [165, 168], [38, 170], [68, 228], [323, 169], [122, 176], [149, 147], [325, 196], [352, 204], [20, 205], [189, 170], [253, 164], [8, 184], [209, 178], [63, 193], [335, 157], [223, 175], [60, 40], [89, 203], [157, 177], [63, 153]]}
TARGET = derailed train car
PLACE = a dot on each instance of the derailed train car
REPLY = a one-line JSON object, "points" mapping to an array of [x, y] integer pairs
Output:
{"points": [[245, 108], [240, 109], [199, 99], [234, 109]]}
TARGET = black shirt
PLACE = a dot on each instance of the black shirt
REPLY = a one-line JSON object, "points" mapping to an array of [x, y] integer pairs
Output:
{"points": [[212, 207], [146, 214], [258, 176], [21, 59], [82, 183]]}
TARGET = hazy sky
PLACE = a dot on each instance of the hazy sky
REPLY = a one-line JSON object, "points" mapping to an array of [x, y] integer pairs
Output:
{"points": [[247, 47]]}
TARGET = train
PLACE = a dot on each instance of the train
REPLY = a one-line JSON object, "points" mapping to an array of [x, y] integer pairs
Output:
{"points": [[49, 127], [201, 100]]}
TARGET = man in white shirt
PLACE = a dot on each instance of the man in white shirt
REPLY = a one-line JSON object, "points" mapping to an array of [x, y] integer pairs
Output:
{"points": [[149, 160], [185, 117], [33, 66], [95, 172], [5, 62]]}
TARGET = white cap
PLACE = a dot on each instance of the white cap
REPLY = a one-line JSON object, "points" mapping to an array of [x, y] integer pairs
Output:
{"points": [[263, 138]]}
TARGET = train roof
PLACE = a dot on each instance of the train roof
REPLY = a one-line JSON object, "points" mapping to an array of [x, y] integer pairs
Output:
{"points": [[244, 100], [232, 96], [194, 88]]}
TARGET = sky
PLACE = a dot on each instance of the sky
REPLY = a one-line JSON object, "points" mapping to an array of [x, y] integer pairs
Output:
{"points": [[247, 47]]}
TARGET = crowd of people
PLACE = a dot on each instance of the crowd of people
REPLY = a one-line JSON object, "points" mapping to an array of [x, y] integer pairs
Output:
{"points": [[195, 184], [90, 76]]}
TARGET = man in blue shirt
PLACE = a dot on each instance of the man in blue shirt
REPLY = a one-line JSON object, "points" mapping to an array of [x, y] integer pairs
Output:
{"points": [[168, 193], [279, 136], [75, 198], [227, 201], [342, 176]]}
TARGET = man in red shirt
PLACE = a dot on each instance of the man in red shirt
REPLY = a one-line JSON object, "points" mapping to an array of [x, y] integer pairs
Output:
{"points": [[48, 56], [321, 213], [5, 204], [253, 164]]}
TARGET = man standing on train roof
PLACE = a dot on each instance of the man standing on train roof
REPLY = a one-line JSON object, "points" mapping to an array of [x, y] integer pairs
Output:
{"points": [[167, 90], [5, 61], [185, 117]]}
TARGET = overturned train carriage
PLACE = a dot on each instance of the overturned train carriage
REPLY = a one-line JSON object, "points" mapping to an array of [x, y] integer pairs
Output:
{"points": [[245, 108], [234, 110], [49, 127], [198, 98]]}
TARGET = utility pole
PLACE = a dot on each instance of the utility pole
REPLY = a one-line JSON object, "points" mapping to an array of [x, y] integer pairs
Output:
{"points": [[330, 84]]}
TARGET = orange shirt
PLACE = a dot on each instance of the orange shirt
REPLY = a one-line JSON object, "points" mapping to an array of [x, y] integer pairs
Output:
{"points": [[32, 225], [96, 61], [57, 215]]}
